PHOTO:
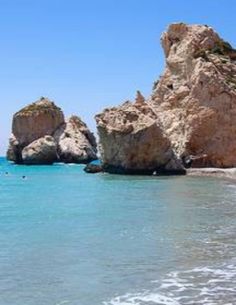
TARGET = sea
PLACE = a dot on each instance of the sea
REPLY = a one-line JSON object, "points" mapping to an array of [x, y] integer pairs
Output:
{"points": [[71, 238]]}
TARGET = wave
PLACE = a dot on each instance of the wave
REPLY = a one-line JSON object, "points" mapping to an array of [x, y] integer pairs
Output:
{"points": [[68, 164], [198, 286]]}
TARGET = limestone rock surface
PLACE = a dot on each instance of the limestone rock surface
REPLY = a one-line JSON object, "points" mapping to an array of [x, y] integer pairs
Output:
{"points": [[132, 141], [14, 150], [36, 120], [40, 129], [40, 151], [195, 99], [76, 143], [189, 119]]}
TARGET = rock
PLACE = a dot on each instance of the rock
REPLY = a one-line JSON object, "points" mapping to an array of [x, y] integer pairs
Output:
{"points": [[132, 141], [76, 144], [73, 140], [40, 151], [36, 120], [91, 168], [195, 99], [189, 118], [139, 100], [14, 150], [31, 123]]}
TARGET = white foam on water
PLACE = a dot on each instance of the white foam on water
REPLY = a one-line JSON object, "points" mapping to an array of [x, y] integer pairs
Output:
{"points": [[231, 186], [142, 298], [68, 164], [197, 286]]}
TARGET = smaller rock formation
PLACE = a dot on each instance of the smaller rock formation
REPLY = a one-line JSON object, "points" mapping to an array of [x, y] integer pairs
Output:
{"points": [[40, 151], [14, 150], [40, 135], [76, 144], [91, 168]]}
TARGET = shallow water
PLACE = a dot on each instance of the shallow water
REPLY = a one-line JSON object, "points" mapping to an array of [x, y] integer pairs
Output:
{"points": [[71, 238]]}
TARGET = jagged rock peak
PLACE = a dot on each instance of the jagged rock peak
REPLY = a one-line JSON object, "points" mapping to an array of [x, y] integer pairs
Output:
{"points": [[139, 99], [185, 39]]}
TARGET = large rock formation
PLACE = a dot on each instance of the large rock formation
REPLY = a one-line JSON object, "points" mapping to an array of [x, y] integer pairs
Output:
{"points": [[133, 142], [192, 106], [40, 135], [195, 99]]}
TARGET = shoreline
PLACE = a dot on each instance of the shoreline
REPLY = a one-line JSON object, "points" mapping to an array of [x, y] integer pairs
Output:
{"points": [[229, 173]]}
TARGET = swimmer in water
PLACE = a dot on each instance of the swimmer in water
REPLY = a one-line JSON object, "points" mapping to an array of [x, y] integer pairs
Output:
{"points": [[23, 177], [6, 173]]}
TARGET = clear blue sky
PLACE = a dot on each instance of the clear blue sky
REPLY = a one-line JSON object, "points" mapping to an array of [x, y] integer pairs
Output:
{"points": [[87, 55]]}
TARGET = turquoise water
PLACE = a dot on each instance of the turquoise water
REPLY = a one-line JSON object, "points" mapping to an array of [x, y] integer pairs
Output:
{"points": [[67, 237]]}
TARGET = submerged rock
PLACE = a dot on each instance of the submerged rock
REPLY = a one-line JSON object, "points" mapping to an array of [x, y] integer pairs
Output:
{"points": [[40, 151], [76, 144], [91, 168], [40, 135], [189, 120]]}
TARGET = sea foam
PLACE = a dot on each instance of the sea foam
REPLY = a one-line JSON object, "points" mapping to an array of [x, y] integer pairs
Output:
{"points": [[197, 286]]}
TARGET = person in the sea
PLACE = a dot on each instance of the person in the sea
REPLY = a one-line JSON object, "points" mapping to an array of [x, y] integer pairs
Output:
{"points": [[23, 177]]}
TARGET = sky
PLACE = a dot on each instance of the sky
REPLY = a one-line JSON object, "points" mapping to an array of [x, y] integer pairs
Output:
{"points": [[88, 55]]}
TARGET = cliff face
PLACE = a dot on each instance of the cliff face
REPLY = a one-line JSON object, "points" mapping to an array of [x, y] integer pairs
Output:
{"points": [[195, 98], [40, 135], [193, 107]]}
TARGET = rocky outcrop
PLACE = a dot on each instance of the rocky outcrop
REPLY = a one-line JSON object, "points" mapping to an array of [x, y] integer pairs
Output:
{"points": [[40, 151], [132, 141], [189, 120], [195, 98], [40, 135], [36, 120], [14, 150], [76, 144]]}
